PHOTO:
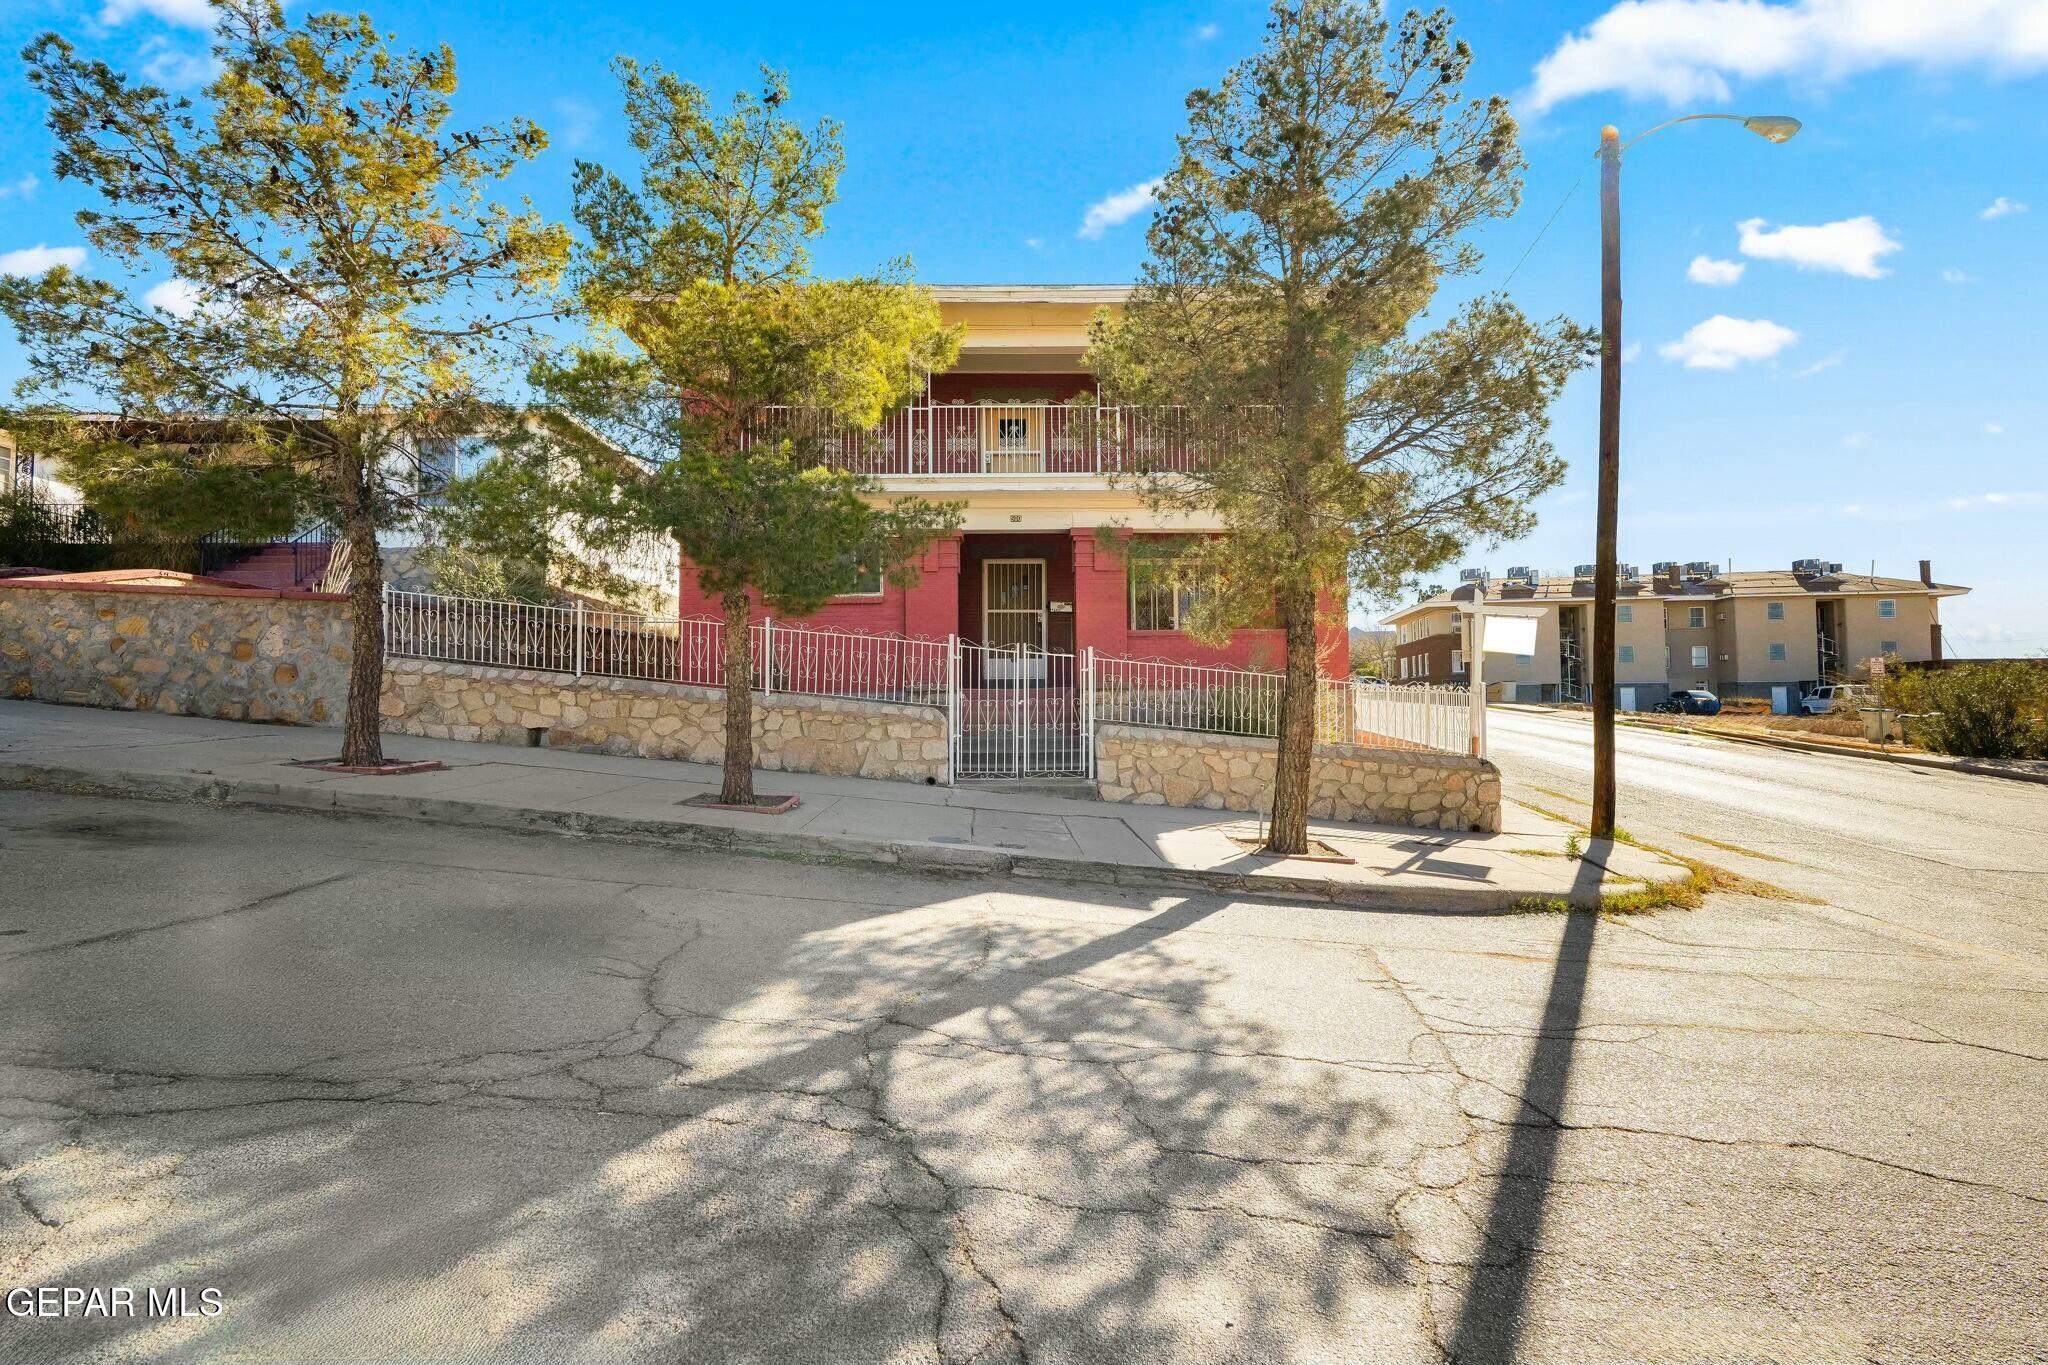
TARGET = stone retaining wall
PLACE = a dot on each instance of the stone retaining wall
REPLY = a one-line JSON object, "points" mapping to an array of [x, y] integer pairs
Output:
{"points": [[1427, 790], [661, 720], [206, 651]]}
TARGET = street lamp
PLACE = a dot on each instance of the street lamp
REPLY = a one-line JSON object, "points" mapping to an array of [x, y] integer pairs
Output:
{"points": [[1772, 128]]}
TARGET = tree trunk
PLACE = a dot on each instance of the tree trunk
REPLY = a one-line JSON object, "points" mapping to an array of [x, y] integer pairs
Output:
{"points": [[362, 740], [738, 789], [1288, 830]]}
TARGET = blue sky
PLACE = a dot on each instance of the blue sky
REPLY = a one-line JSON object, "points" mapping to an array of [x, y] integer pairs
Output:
{"points": [[1836, 343]]}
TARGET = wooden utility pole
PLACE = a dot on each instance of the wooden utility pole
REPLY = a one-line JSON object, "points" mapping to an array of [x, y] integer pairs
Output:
{"points": [[1604, 570]]}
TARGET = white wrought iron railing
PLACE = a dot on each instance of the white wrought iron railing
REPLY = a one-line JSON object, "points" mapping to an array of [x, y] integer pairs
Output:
{"points": [[582, 639], [1007, 439], [1052, 702], [1235, 701]]}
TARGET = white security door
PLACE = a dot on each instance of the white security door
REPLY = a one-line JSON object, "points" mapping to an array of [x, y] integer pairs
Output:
{"points": [[1013, 614]]}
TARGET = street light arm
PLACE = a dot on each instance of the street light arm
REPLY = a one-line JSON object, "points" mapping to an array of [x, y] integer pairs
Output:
{"points": [[1683, 118]]}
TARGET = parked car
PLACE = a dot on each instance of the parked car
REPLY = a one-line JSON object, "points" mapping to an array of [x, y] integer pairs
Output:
{"points": [[1692, 701], [1822, 700]]}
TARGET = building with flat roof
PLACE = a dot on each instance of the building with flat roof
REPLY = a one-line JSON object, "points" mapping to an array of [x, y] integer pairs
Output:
{"points": [[1776, 633]]}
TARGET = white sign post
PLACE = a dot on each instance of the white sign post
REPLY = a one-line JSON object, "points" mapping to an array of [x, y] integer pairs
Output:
{"points": [[1513, 632]]}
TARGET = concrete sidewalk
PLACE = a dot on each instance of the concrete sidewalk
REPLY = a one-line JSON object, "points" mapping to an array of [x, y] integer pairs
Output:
{"points": [[992, 829]]}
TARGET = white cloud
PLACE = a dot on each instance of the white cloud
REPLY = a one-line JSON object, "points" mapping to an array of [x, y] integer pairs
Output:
{"points": [[1851, 246], [40, 258], [2021, 499], [1035, 243], [1951, 275], [2002, 207], [179, 298], [24, 188], [1630, 352], [1204, 32], [1818, 366], [1685, 51], [176, 68], [1120, 207], [1722, 342], [1993, 429], [1707, 270], [575, 122], [191, 13]]}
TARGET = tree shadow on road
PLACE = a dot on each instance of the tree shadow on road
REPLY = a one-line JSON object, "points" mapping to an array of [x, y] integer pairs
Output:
{"points": [[941, 1129]]}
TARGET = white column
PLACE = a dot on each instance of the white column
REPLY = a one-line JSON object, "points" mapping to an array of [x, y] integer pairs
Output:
{"points": [[1475, 678]]}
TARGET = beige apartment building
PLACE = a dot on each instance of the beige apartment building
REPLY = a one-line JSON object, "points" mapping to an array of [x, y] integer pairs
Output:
{"points": [[1772, 633]]}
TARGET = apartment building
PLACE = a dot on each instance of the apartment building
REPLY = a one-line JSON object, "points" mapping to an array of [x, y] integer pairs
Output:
{"points": [[1768, 633], [1043, 482]]}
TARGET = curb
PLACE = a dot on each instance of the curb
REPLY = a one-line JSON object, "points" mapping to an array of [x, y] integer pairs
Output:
{"points": [[765, 843], [1931, 762]]}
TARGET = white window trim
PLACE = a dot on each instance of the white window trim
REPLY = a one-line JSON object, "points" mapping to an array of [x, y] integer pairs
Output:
{"points": [[1457, 661], [1625, 611], [1774, 611], [1775, 653], [1887, 608], [1701, 656], [1625, 653], [1695, 618]]}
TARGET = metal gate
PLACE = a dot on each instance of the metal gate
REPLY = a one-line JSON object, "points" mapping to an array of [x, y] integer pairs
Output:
{"points": [[1019, 711]]}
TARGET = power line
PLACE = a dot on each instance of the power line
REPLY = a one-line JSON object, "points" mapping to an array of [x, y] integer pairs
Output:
{"points": [[1546, 230]]}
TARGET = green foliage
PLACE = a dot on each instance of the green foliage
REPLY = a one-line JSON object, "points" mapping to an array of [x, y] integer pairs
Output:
{"points": [[341, 287], [707, 329], [1996, 709], [1323, 191], [454, 570]]}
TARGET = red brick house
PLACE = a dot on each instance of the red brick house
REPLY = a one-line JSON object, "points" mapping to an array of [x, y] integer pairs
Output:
{"points": [[996, 434]]}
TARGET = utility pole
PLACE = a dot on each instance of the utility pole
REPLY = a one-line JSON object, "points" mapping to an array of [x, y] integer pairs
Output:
{"points": [[1609, 496]]}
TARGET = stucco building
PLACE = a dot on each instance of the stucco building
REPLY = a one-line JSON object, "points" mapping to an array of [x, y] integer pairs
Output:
{"points": [[1775, 633]]}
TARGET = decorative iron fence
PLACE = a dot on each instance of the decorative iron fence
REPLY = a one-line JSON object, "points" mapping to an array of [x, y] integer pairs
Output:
{"points": [[591, 640], [1013, 711], [1235, 701]]}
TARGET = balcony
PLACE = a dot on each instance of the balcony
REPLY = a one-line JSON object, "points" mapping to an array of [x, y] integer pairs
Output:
{"points": [[1001, 441]]}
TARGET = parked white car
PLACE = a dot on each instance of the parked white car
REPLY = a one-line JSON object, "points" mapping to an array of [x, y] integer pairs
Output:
{"points": [[1822, 700]]}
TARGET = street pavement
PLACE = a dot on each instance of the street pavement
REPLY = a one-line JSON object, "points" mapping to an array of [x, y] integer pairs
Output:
{"points": [[401, 1091], [1928, 855]]}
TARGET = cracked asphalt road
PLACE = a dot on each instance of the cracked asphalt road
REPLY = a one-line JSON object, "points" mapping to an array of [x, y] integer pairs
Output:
{"points": [[408, 1092]]}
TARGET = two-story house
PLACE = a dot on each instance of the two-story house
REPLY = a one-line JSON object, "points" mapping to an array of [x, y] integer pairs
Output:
{"points": [[1770, 633], [1051, 555]]}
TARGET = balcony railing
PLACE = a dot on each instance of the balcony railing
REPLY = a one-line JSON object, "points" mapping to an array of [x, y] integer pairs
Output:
{"points": [[1000, 440]]}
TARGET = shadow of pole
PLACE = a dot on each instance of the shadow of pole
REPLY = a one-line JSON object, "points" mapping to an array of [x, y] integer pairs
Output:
{"points": [[1490, 1322]]}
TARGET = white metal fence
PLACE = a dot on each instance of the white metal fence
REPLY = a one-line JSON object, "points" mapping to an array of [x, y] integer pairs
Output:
{"points": [[589, 640], [1013, 711], [1236, 701]]}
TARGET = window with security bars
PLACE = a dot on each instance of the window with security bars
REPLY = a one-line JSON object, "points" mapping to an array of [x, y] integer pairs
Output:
{"points": [[1156, 604]]}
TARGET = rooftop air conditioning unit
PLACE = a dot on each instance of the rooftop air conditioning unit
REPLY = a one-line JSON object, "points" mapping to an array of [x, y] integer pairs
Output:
{"points": [[1472, 575], [1584, 570], [1627, 571], [1700, 568], [1663, 566]]}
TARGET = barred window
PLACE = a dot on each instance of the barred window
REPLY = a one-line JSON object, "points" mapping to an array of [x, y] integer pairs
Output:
{"points": [[1155, 604]]}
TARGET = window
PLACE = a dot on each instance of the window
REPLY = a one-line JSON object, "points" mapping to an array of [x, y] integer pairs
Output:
{"points": [[1696, 617], [1667, 658], [1625, 613], [867, 580], [1457, 661], [1524, 658], [1887, 647], [1699, 656], [1405, 661], [1887, 607], [1155, 603], [445, 458], [1774, 611], [1777, 652], [1013, 434], [1627, 654], [1423, 660]]}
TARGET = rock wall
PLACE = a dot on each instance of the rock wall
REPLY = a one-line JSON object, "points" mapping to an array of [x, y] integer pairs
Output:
{"points": [[661, 720], [1427, 790], [233, 654]]}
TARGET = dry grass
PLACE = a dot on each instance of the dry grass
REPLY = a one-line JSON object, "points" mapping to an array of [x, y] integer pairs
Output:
{"points": [[1727, 847], [1684, 893]]}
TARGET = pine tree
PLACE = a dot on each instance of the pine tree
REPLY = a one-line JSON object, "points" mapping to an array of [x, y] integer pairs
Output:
{"points": [[341, 288], [1322, 193], [716, 362]]}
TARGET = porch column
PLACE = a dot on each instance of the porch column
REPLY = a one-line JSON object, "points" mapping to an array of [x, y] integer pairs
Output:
{"points": [[1101, 597], [932, 607]]}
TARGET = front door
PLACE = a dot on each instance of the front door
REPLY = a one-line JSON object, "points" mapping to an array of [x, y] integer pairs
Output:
{"points": [[1013, 615]]}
